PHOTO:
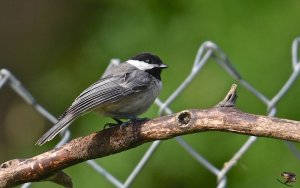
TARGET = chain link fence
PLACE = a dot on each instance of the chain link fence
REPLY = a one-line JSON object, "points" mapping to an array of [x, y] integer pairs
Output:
{"points": [[208, 50]]}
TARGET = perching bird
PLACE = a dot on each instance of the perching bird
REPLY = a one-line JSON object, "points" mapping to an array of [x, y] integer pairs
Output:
{"points": [[125, 92]]}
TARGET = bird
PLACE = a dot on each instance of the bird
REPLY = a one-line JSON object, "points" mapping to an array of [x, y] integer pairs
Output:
{"points": [[124, 92]]}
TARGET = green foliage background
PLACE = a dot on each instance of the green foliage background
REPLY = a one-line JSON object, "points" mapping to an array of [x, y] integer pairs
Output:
{"points": [[58, 48]]}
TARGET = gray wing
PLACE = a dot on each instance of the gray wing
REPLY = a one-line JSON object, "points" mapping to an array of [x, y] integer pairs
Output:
{"points": [[106, 90]]}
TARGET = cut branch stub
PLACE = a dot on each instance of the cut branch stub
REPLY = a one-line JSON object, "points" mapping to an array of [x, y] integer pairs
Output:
{"points": [[230, 98]]}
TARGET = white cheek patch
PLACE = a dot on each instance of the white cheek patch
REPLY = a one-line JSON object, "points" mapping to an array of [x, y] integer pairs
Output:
{"points": [[141, 64]]}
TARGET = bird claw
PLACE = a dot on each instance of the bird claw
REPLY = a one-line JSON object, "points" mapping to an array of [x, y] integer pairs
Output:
{"points": [[110, 125], [135, 120], [124, 124]]}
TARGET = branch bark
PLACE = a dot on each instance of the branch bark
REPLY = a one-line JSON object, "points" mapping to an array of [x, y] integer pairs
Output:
{"points": [[223, 117]]}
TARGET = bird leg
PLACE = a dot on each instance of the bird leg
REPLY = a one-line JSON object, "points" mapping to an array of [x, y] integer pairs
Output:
{"points": [[132, 119]]}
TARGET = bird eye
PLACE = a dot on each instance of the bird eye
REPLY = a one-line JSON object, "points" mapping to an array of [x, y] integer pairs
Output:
{"points": [[148, 61]]}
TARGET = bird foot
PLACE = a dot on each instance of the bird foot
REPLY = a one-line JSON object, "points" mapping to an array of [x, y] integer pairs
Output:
{"points": [[110, 125], [124, 124], [134, 120]]}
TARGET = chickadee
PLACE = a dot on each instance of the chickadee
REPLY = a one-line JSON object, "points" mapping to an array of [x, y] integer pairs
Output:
{"points": [[124, 92]]}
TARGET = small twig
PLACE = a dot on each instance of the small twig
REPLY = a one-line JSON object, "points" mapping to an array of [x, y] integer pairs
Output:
{"points": [[118, 139], [61, 178]]}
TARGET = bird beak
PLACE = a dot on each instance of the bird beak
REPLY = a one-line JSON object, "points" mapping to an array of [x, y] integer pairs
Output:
{"points": [[163, 66]]}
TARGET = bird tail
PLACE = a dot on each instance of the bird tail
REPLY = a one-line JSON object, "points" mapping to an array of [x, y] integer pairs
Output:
{"points": [[57, 128]]}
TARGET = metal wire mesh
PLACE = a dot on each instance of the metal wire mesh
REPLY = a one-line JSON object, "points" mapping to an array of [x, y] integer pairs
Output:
{"points": [[206, 51]]}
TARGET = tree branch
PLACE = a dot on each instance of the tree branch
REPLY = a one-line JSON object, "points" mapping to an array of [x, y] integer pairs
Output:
{"points": [[223, 117]]}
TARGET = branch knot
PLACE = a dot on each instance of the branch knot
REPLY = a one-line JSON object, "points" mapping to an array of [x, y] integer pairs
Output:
{"points": [[184, 118]]}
